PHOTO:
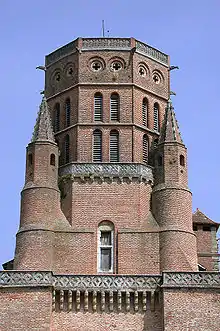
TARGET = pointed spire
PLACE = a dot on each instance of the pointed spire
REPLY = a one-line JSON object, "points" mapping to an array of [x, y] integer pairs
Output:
{"points": [[43, 130], [170, 129]]}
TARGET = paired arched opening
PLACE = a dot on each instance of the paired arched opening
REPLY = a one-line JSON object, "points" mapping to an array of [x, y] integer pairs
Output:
{"points": [[67, 110], [114, 146], [98, 107], [67, 149], [156, 117], [57, 117], [145, 112], [145, 148], [114, 107], [97, 146]]}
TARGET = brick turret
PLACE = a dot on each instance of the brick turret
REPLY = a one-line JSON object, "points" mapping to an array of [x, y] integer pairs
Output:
{"points": [[40, 198], [172, 200]]}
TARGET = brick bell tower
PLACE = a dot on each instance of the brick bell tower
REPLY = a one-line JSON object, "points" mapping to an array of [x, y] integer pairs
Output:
{"points": [[124, 195], [105, 239]]}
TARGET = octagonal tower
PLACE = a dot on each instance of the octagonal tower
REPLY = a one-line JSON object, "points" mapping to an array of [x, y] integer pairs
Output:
{"points": [[107, 98]]}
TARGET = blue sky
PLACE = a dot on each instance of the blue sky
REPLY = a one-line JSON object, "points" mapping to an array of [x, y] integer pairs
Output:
{"points": [[186, 30]]}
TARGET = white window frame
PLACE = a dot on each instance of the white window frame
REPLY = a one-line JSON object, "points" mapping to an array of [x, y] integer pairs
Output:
{"points": [[105, 227]]}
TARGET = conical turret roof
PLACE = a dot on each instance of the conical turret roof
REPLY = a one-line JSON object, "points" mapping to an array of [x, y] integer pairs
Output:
{"points": [[43, 130], [170, 129]]}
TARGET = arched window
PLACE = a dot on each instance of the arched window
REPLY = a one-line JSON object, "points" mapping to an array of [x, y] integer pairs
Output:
{"points": [[67, 108], [155, 143], [144, 112], [98, 107], [57, 117], [114, 107], [182, 160], [105, 247], [156, 117], [67, 148], [145, 148], [160, 160], [52, 159], [30, 159], [114, 146], [97, 146]]}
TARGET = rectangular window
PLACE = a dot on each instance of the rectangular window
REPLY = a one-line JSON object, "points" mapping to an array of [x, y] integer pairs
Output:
{"points": [[106, 251]]}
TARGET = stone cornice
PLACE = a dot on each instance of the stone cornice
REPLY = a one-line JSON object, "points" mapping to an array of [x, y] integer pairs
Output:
{"points": [[191, 279], [112, 44], [124, 172], [79, 282], [110, 282], [162, 98]]}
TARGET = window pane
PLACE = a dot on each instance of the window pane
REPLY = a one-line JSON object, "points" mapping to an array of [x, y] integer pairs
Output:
{"points": [[105, 239], [105, 259]]}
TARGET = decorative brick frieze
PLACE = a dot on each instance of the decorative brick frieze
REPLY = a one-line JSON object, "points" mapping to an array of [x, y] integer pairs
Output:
{"points": [[151, 52], [80, 282], [52, 57], [102, 171], [107, 282], [191, 279], [106, 43], [25, 278]]}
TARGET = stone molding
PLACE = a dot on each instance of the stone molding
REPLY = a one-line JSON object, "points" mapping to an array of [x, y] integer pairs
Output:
{"points": [[191, 279], [107, 44], [79, 282], [110, 282], [152, 52], [124, 172]]}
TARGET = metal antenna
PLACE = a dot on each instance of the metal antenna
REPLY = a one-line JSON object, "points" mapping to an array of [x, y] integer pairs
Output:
{"points": [[103, 28]]}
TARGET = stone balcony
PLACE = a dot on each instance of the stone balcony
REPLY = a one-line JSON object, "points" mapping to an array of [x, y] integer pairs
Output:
{"points": [[108, 293]]}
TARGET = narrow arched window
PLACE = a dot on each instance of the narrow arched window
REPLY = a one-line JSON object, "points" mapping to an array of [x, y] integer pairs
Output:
{"points": [[67, 149], [67, 109], [160, 160], [145, 148], [182, 160], [98, 107], [30, 159], [114, 107], [105, 247], [156, 117], [57, 117], [155, 143], [97, 146], [52, 159], [144, 112], [114, 146]]}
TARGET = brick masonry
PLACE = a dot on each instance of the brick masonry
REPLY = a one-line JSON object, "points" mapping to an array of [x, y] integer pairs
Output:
{"points": [[147, 203]]}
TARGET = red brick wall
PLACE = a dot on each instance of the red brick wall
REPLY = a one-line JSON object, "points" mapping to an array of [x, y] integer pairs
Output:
{"points": [[191, 310], [25, 309], [151, 321], [138, 252]]}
